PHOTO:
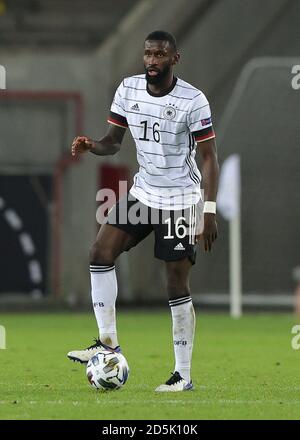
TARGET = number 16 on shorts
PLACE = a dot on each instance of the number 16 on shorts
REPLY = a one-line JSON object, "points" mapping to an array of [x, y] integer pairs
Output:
{"points": [[183, 223]]}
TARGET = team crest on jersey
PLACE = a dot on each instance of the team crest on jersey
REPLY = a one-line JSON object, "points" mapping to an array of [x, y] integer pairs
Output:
{"points": [[169, 113]]}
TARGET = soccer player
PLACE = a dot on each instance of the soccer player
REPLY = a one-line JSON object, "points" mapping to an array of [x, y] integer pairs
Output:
{"points": [[170, 120]]}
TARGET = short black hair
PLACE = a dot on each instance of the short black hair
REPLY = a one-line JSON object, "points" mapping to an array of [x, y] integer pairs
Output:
{"points": [[164, 36]]}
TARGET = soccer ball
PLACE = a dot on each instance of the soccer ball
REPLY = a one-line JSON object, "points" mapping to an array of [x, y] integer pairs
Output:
{"points": [[107, 370]]}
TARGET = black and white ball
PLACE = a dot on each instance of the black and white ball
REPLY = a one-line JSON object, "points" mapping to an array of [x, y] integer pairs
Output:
{"points": [[107, 370]]}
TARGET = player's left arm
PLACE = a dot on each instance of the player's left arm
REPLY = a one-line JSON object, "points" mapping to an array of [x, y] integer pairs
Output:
{"points": [[208, 163]]}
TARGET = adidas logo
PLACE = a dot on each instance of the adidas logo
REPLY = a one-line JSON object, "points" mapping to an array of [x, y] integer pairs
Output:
{"points": [[135, 107], [179, 247]]}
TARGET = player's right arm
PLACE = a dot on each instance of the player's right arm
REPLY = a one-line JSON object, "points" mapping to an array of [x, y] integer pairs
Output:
{"points": [[110, 144]]}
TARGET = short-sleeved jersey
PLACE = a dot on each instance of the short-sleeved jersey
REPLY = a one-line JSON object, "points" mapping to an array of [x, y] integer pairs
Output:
{"points": [[166, 129]]}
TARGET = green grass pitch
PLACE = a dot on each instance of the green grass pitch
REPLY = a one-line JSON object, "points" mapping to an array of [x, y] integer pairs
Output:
{"points": [[242, 369]]}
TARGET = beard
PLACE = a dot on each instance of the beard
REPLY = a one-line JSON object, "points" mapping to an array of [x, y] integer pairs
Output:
{"points": [[161, 75]]}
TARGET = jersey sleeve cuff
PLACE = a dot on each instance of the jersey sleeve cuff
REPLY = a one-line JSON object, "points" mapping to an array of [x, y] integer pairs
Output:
{"points": [[204, 135], [118, 120]]}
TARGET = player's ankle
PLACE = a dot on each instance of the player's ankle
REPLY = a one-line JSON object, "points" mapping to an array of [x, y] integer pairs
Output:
{"points": [[185, 373], [109, 339]]}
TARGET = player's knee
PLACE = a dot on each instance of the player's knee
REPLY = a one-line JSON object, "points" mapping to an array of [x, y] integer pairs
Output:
{"points": [[101, 255], [174, 276]]}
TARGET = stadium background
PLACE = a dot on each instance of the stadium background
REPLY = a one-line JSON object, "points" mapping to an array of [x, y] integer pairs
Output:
{"points": [[63, 61]]}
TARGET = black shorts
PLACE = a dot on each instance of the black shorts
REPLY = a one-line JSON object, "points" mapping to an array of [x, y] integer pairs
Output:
{"points": [[174, 231]]}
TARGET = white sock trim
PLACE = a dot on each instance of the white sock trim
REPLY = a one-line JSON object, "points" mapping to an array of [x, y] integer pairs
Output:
{"points": [[179, 301], [97, 269]]}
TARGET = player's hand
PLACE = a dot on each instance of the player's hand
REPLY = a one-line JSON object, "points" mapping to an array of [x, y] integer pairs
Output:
{"points": [[210, 231], [82, 144]]}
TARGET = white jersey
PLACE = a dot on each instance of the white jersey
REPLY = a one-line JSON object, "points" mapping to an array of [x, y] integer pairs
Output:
{"points": [[166, 129]]}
